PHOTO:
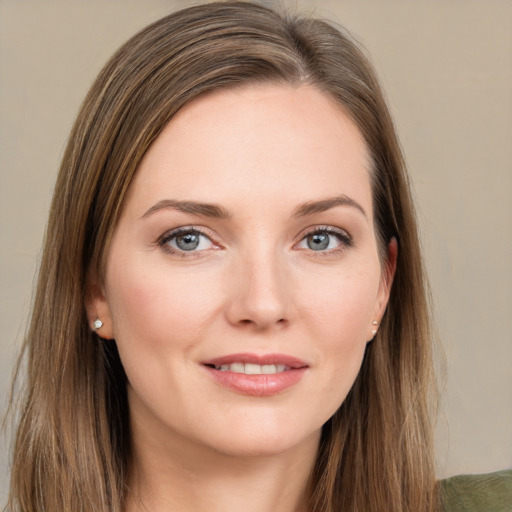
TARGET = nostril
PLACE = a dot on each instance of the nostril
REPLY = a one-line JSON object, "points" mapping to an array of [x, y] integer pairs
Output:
{"points": [[247, 321]]}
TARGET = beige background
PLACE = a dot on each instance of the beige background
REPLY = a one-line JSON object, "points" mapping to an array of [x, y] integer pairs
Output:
{"points": [[447, 69]]}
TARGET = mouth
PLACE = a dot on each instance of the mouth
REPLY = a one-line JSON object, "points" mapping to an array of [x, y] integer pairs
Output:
{"points": [[256, 375], [251, 368]]}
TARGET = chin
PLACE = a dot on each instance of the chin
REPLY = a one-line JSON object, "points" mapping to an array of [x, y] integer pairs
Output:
{"points": [[264, 443]]}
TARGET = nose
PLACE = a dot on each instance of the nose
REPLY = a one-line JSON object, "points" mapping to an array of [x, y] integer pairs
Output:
{"points": [[260, 293]]}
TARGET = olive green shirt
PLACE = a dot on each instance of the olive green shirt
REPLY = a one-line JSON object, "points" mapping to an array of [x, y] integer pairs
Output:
{"points": [[478, 493]]}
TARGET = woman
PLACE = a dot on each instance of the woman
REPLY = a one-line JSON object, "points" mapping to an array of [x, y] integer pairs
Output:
{"points": [[231, 308]]}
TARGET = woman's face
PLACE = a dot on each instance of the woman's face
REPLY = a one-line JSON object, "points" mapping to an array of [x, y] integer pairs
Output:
{"points": [[243, 277]]}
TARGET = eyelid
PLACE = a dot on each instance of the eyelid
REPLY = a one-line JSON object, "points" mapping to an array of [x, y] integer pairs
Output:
{"points": [[345, 238], [172, 233]]}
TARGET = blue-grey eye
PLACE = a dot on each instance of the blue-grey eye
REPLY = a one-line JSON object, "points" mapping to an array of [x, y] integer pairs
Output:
{"points": [[318, 241], [187, 241], [325, 240]]}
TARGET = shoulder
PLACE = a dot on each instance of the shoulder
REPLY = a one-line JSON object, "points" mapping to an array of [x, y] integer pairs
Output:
{"points": [[491, 492]]}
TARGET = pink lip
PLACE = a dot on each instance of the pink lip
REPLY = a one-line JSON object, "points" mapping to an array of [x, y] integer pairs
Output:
{"points": [[257, 385], [289, 361]]}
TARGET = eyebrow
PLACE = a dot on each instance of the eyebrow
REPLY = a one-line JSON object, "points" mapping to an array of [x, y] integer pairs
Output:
{"points": [[219, 212], [200, 209], [323, 205]]}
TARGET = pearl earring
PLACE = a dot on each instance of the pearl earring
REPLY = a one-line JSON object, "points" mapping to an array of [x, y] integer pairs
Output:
{"points": [[374, 330], [97, 324]]}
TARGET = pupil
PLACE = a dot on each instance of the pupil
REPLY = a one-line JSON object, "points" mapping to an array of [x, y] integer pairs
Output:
{"points": [[187, 242], [318, 241]]}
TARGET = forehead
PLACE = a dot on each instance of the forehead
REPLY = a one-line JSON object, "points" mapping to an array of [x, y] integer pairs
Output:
{"points": [[258, 143]]}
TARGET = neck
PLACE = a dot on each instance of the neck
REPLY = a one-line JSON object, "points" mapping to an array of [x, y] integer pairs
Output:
{"points": [[190, 478]]}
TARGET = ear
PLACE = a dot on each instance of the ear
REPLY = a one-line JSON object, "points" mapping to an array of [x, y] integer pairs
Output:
{"points": [[97, 308], [386, 280]]}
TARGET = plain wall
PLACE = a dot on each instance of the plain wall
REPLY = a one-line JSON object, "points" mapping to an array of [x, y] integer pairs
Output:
{"points": [[447, 69]]}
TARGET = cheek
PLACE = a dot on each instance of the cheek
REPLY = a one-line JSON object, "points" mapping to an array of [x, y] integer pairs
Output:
{"points": [[160, 318], [338, 317], [152, 306], [341, 305]]}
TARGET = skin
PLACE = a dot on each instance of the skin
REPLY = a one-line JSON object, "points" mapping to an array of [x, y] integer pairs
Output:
{"points": [[254, 284]]}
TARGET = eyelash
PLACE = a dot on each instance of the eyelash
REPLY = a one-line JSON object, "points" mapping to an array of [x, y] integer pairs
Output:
{"points": [[346, 241], [167, 237]]}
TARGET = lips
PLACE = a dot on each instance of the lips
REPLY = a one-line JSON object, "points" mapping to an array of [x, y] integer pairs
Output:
{"points": [[256, 375], [266, 359]]}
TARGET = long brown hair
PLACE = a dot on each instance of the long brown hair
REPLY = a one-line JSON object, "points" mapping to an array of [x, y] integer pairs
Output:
{"points": [[72, 448]]}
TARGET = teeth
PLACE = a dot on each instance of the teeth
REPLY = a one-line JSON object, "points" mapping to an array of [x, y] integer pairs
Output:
{"points": [[237, 367], [252, 369]]}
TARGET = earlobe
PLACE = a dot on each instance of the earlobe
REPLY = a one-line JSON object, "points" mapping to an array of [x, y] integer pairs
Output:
{"points": [[98, 310]]}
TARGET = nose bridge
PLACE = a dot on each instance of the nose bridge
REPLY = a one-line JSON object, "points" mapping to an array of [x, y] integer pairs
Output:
{"points": [[260, 294]]}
